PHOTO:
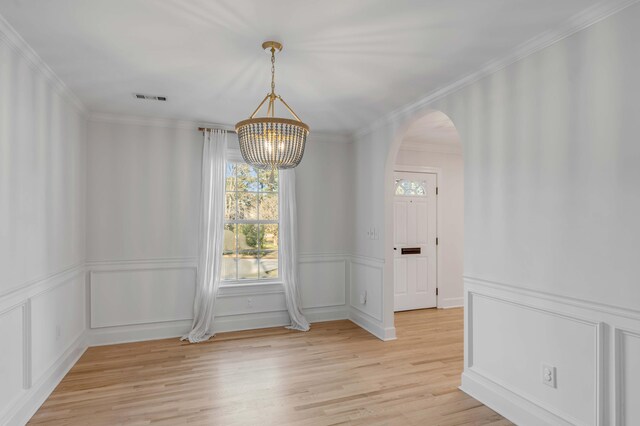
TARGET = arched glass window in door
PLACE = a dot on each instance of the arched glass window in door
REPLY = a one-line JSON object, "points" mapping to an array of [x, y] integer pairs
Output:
{"points": [[410, 188]]}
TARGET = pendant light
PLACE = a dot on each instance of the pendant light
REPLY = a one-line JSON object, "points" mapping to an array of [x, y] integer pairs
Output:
{"points": [[272, 142]]}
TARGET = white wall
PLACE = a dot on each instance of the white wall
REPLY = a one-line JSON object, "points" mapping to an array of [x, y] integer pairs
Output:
{"points": [[551, 231], [42, 229], [450, 219], [143, 195]]}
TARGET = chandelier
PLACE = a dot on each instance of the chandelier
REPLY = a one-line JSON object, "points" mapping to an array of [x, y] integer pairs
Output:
{"points": [[272, 142]]}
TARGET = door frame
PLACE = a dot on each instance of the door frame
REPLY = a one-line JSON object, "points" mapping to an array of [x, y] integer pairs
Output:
{"points": [[438, 172]]}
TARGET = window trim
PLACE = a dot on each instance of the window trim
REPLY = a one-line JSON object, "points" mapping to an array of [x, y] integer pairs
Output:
{"points": [[234, 155]]}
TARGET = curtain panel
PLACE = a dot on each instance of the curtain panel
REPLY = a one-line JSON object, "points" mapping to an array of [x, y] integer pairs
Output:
{"points": [[211, 235], [289, 249]]}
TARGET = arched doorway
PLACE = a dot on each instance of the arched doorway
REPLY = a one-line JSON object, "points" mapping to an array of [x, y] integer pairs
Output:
{"points": [[426, 154]]}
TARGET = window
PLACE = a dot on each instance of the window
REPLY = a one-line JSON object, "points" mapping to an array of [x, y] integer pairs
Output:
{"points": [[251, 224], [410, 188]]}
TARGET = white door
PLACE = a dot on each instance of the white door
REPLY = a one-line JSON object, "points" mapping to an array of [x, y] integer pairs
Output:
{"points": [[414, 249]]}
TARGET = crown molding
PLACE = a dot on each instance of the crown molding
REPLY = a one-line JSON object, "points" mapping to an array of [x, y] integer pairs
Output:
{"points": [[576, 23], [9, 35], [105, 117]]}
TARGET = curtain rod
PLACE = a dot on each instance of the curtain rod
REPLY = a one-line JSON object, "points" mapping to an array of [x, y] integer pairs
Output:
{"points": [[204, 129]]}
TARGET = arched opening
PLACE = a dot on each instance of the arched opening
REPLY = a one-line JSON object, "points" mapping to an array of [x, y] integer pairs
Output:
{"points": [[424, 216]]}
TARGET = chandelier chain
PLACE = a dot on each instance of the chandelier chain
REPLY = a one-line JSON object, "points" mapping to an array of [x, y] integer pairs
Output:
{"points": [[273, 71]]}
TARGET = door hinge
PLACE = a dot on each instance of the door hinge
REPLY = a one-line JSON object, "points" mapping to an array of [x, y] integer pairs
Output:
{"points": [[436, 240], [436, 190], [436, 291]]}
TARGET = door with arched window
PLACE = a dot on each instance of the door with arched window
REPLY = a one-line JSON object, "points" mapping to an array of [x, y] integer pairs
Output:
{"points": [[415, 211]]}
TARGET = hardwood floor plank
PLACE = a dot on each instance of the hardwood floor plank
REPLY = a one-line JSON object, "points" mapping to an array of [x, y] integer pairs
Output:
{"points": [[335, 374]]}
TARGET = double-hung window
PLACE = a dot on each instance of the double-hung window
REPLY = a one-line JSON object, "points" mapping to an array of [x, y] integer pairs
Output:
{"points": [[251, 225]]}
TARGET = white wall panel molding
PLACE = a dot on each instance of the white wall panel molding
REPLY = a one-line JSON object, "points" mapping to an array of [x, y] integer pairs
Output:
{"points": [[596, 342], [240, 307], [141, 294], [20, 293], [366, 295], [323, 280], [27, 364], [28, 403], [626, 382], [10, 36], [374, 262], [366, 282], [578, 22], [604, 354], [15, 365], [18, 304], [576, 305]]}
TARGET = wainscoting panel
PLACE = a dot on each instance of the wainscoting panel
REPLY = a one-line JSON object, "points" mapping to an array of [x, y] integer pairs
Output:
{"points": [[58, 320], [511, 331], [323, 281], [511, 342], [366, 286], [42, 325], [627, 377], [133, 300], [12, 357], [251, 302], [152, 293]]}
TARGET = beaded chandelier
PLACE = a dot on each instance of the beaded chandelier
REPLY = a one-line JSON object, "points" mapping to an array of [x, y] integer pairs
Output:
{"points": [[271, 142]]}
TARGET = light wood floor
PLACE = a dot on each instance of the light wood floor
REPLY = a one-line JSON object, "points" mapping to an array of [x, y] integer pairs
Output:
{"points": [[335, 374]]}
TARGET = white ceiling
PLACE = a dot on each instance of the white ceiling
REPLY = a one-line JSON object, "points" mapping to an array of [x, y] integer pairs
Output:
{"points": [[344, 64]]}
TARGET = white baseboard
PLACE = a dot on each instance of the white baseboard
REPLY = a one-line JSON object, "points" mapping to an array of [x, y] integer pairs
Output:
{"points": [[29, 403], [329, 313], [507, 403], [451, 302], [227, 323], [372, 325], [137, 333]]}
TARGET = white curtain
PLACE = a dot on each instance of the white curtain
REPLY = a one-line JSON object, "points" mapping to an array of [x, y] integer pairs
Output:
{"points": [[289, 249], [212, 199]]}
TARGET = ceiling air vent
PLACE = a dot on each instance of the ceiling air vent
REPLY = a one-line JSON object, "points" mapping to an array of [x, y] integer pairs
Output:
{"points": [[150, 97]]}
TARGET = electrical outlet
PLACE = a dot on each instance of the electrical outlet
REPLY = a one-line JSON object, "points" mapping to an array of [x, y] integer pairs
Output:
{"points": [[249, 302], [549, 375], [363, 298]]}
